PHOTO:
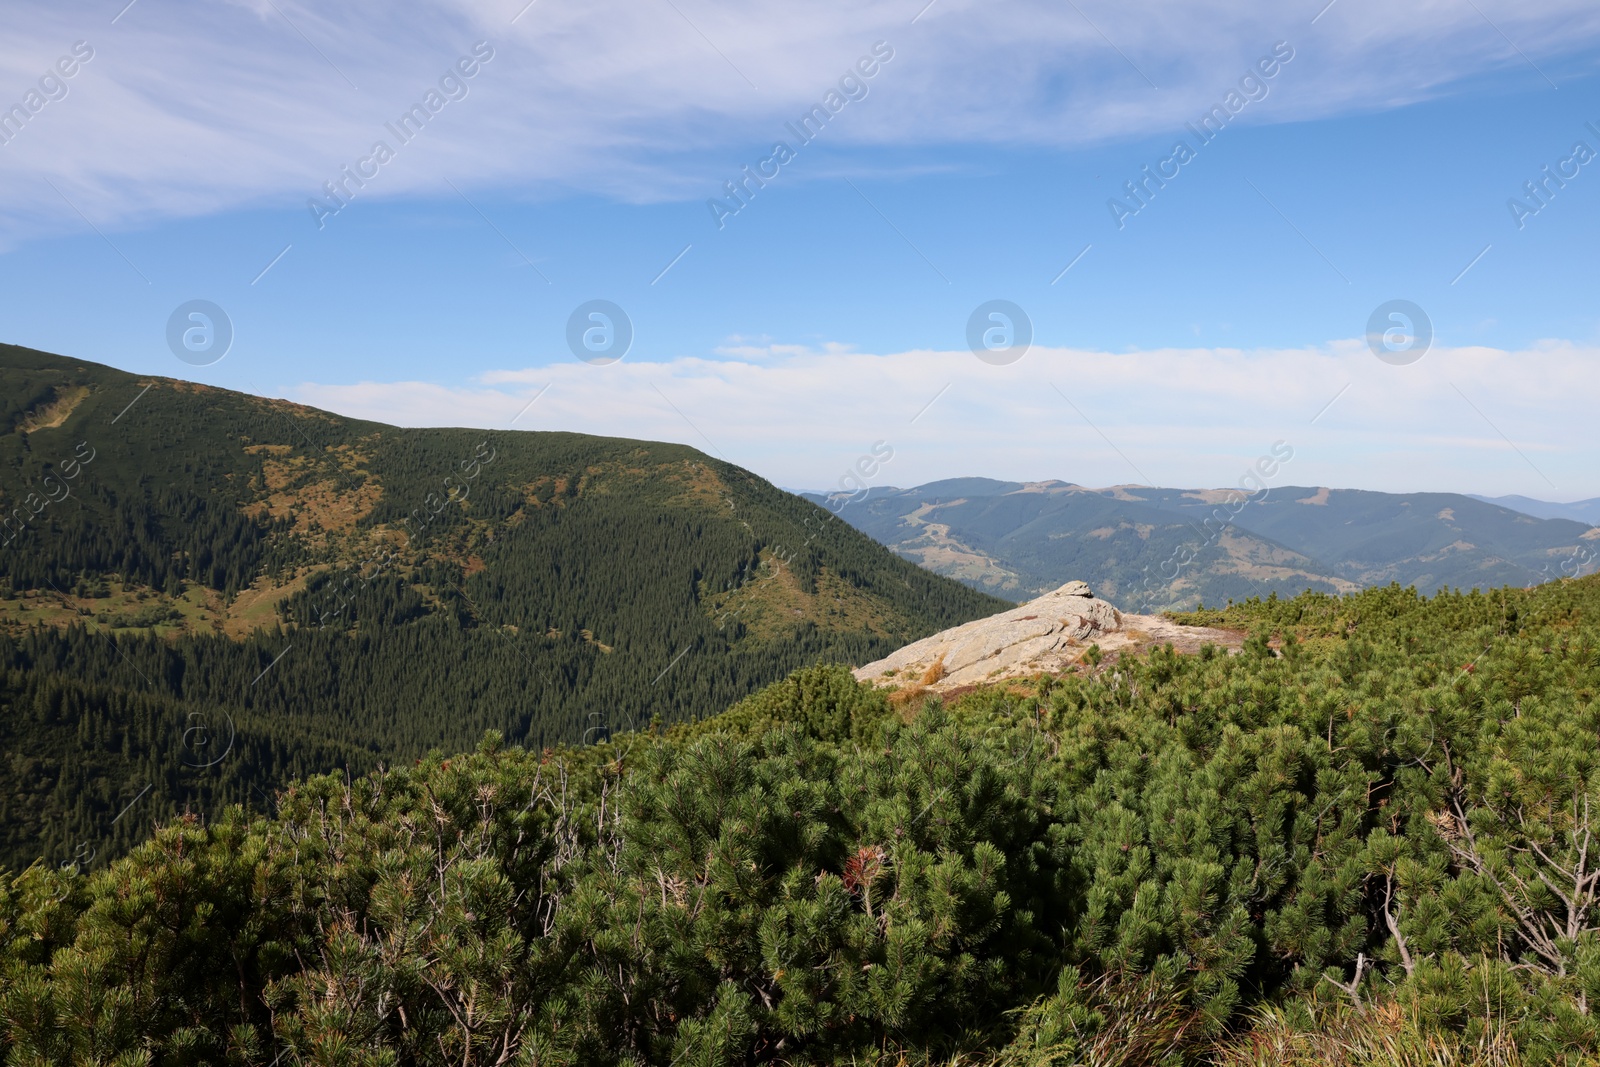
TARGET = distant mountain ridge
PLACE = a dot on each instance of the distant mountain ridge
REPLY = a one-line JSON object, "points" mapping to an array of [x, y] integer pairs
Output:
{"points": [[1584, 511], [1148, 548]]}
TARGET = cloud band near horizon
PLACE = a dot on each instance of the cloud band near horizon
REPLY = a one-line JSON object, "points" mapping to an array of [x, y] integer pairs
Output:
{"points": [[1462, 419]]}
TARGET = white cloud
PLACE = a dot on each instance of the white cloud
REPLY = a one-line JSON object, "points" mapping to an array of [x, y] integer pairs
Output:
{"points": [[1462, 419], [189, 109]]}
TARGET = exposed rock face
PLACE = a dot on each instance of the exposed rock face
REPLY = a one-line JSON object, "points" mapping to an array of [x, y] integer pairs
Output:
{"points": [[1046, 634]]}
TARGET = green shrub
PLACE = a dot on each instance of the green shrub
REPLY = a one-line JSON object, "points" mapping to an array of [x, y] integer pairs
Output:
{"points": [[1366, 839]]}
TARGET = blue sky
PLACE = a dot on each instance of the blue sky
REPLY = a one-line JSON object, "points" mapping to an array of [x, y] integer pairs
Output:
{"points": [[831, 311]]}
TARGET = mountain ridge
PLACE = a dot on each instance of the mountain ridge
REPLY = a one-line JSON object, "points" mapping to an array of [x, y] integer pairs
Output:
{"points": [[204, 593], [1154, 548], [1584, 511]]}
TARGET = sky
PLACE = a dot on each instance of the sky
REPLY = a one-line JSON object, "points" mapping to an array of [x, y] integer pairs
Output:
{"points": [[1376, 245]]}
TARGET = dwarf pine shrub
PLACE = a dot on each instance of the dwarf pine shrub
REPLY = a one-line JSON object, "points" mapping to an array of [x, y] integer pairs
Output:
{"points": [[1368, 837]]}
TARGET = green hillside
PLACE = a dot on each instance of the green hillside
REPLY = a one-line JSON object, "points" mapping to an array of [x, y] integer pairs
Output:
{"points": [[1150, 548], [205, 593], [1430, 540], [1019, 541], [1367, 838]]}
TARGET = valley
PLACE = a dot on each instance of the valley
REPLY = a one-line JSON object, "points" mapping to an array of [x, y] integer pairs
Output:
{"points": [[1155, 549]]}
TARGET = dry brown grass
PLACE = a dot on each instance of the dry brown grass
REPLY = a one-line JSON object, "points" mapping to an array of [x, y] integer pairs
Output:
{"points": [[50, 415], [319, 507], [1384, 1036], [934, 672], [1148, 1027], [257, 606], [909, 699]]}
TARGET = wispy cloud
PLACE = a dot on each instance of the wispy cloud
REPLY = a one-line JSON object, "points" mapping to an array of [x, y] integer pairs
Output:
{"points": [[190, 109]]}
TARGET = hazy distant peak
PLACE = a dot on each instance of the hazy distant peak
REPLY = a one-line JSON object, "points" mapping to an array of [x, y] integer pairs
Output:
{"points": [[1585, 511]]}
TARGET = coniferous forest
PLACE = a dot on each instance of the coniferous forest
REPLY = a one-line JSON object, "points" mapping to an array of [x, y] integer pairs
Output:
{"points": [[205, 594], [1365, 838]]}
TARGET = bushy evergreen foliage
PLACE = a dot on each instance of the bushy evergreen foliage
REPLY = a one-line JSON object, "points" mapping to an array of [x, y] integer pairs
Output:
{"points": [[1369, 831]]}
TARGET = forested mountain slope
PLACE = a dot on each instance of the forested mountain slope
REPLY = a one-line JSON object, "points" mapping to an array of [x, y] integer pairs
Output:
{"points": [[1148, 548], [203, 593]]}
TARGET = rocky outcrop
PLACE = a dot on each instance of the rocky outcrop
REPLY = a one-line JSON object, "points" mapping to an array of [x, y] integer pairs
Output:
{"points": [[1044, 636]]}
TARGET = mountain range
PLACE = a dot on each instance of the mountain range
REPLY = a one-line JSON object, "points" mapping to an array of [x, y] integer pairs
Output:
{"points": [[205, 593], [1584, 511], [1151, 549]]}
